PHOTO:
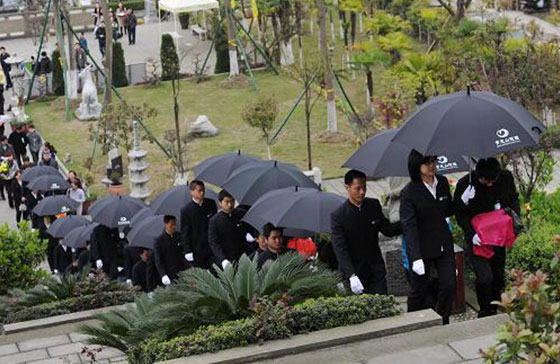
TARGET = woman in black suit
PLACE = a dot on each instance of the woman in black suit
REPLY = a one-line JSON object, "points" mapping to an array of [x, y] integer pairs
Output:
{"points": [[425, 204]]}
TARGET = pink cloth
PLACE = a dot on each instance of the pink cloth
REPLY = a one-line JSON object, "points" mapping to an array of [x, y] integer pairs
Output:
{"points": [[494, 229]]}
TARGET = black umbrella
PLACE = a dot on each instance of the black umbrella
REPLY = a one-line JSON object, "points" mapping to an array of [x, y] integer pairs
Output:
{"points": [[469, 123], [117, 211], [62, 226], [298, 208], [48, 183], [379, 157], [54, 205], [253, 180], [145, 233], [78, 237], [173, 200], [38, 171], [141, 215], [218, 169], [259, 223]]}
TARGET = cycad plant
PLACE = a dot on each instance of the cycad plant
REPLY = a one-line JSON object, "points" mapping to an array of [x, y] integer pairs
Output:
{"points": [[200, 298]]}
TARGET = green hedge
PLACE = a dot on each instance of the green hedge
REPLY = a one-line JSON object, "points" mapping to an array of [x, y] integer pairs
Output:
{"points": [[271, 323], [70, 305], [133, 4]]}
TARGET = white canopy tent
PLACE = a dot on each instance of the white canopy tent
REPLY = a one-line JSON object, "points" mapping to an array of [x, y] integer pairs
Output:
{"points": [[184, 6]]}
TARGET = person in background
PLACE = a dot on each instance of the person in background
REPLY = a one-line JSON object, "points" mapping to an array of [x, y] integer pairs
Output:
{"points": [[35, 142], [19, 192], [62, 257], [2, 86], [97, 15], [47, 159], [167, 252], [425, 206], [262, 246], [194, 226], [43, 66], [80, 57], [115, 27], [274, 244], [52, 243], [5, 67], [18, 140], [488, 188], [226, 233], [8, 169], [355, 228], [77, 194], [100, 35], [131, 23], [31, 200], [139, 274], [103, 252], [83, 41]]}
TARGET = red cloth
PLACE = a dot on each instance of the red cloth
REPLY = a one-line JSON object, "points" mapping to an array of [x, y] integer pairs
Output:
{"points": [[303, 246], [494, 229]]}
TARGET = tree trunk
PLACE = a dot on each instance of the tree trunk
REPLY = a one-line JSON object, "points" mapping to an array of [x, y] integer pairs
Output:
{"points": [[327, 77], [299, 30], [308, 126], [108, 52], [175, 85], [63, 57], [276, 44], [460, 9], [333, 33], [369, 86], [286, 44], [72, 74], [353, 27], [233, 65]]}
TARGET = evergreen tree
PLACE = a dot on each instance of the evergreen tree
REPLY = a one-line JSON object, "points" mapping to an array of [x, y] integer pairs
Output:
{"points": [[221, 48], [169, 58], [57, 76], [119, 68]]}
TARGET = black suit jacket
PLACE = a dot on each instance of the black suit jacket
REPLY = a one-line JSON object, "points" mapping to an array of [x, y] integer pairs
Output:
{"points": [[62, 258], [139, 275], [168, 255], [19, 192], [355, 238], [152, 275], [226, 236], [423, 221], [194, 228], [83, 259]]}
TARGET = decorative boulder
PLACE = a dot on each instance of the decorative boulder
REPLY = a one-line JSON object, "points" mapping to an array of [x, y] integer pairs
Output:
{"points": [[202, 128]]}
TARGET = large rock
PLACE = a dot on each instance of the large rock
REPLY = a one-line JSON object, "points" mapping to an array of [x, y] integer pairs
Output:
{"points": [[202, 128]]}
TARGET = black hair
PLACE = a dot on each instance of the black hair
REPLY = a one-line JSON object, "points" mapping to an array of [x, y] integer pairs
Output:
{"points": [[269, 228], [488, 168], [168, 218], [353, 174], [194, 183], [43, 53], [223, 194], [3, 137], [415, 161]]}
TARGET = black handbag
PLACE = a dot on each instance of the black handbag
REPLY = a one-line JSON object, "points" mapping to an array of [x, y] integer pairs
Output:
{"points": [[518, 226]]}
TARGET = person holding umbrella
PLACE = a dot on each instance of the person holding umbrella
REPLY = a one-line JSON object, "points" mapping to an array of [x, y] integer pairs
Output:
{"points": [[425, 205], [104, 249], [487, 188], [19, 191], [51, 242], [194, 226], [62, 257], [31, 200], [167, 252], [355, 228], [139, 273], [226, 233]]}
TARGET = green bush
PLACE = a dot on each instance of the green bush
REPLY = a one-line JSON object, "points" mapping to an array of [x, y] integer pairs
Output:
{"points": [[169, 59], [119, 68], [21, 253], [69, 305], [281, 322], [57, 76], [132, 4], [221, 48]]}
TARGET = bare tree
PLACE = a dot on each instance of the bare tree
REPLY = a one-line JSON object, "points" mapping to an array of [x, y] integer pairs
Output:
{"points": [[327, 75]]}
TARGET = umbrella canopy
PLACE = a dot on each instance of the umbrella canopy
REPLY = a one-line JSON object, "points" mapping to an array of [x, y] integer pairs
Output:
{"points": [[379, 157], [298, 208], [62, 226], [173, 200], [117, 211], [141, 215], [218, 169], [469, 123], [248, 183], [78, 237], [54, 205], [145, 233], [38, 171], [48, 183], [259, 223]]}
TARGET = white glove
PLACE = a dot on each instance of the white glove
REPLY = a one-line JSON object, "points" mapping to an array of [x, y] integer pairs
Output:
{"points": [[225, 263], [129, 282], [121, 235], [497, 206], [418, 267], [249, 238], [55, 271], [356, 285], [476, 240], [468, 195], [165, 280], [189, 257], [99, 264], [120, 269]]}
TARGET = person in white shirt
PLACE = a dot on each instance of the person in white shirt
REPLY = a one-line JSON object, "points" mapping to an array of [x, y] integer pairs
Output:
{"points": [[76, 193]]}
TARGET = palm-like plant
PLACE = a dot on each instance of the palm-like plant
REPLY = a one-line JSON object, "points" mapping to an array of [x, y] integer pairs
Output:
{"points": [[200, 298]]}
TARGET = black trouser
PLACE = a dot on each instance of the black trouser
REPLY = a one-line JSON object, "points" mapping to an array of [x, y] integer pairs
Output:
{"points": [[51, 247], [19, 213], [131, 35], [7, 184], [2, 106], [102, 47], [19, 158], [490, 280], [419, 296], [35, 157]]}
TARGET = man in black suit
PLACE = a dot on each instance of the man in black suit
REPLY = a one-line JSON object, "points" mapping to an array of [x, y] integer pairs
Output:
{"points": [[104, 250], [139, 272], [425, 205], [32, 198], [274, 244], [355, 228], [153, 279], [18, 140], [226, 232], [62, 257], [52, 243], [84, 257], [194, 226], [167, 252], [488, 188]]}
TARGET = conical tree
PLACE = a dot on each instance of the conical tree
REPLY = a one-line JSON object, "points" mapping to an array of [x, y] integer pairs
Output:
{"points": [[169, 58], [58, 78], [119, 68], [221, 47]]}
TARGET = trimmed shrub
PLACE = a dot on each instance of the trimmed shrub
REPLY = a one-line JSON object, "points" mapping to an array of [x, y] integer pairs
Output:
{"points": [[221, 49], [270, 322], [119, 68], [57, 76], [169, 59]]}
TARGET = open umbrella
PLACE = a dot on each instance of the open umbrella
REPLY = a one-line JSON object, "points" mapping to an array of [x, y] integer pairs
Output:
{"points": [[253, 180], [62, 226], [54, 205], [298, 208], [379, 157], [48, 183], [141, 215], [218, 169], [145, 233], [471, 123], [78, 237], [38, 171], [117, 211], [172, 201]]}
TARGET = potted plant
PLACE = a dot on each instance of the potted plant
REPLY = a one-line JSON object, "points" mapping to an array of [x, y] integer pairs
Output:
{"points": [[116, 187]]}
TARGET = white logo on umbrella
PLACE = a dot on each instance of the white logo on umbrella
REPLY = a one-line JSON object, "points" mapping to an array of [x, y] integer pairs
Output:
{"points": [[55, 186], [502, 133], [443, 164], [505, 139], [442, 159], [123, 221]]}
